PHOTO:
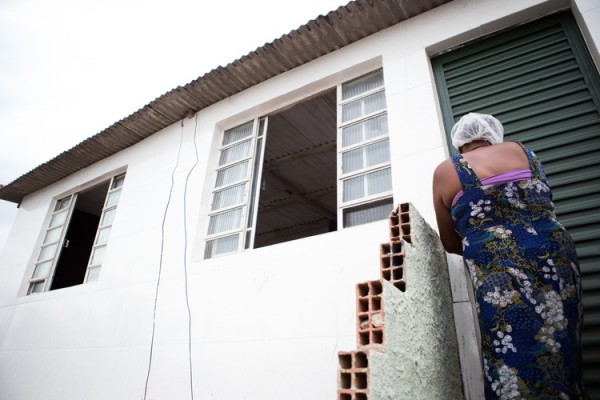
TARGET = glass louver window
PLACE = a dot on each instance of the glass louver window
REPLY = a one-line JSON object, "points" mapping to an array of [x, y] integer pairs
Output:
{"points": [[104, 228], [365, 171], [53, 240], [230, 218]]}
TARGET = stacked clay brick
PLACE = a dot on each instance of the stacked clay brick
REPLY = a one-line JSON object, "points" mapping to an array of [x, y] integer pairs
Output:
{"points": [[354, 372]]}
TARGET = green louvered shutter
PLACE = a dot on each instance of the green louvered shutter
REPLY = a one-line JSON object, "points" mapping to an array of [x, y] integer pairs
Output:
{"points": [[540, 82]]}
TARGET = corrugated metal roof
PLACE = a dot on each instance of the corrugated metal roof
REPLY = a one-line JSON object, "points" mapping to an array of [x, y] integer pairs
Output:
{"points": [[339, 28]]}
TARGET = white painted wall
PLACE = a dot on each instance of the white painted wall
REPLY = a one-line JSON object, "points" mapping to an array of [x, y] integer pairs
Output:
{"points": [[266, 323]]}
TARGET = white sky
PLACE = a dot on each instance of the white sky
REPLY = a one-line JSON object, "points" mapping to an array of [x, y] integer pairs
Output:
{"points": [[71, 68]]}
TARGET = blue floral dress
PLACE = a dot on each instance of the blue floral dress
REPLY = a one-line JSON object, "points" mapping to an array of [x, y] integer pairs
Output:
{"points": [[526, 281]]}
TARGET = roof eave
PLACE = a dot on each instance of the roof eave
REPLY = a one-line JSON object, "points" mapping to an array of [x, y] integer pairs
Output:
{"points": [[323, 35]]}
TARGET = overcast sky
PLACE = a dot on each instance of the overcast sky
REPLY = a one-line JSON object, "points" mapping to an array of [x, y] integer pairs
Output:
{"points": [[71, 68]]}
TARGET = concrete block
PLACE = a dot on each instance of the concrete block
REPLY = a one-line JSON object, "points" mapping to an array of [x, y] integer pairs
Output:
{"points": [[406, 336]]}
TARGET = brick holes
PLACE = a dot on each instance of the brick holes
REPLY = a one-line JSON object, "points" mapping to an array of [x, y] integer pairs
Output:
{"points": [[354, 375], [345, 380], [392, 264], [401, 285], [353, 395], [376, 288], [397, 260], [345, 360], [364, 338], [354, 372], [369, 313], [396, 247], [363, 305], [377, 336], [361, 360], [400, 223], [386, 274], [375, 303], [360, 380]]}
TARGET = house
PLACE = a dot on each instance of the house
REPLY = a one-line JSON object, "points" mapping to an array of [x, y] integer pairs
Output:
{"points": [[210, 242]]}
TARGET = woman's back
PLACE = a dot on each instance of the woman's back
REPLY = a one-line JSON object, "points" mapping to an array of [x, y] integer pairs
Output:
{"points": [[524, 270], [493, 160], [493, 205], [501, 190]]}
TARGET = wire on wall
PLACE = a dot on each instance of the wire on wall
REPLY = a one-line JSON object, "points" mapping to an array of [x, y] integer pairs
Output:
{"points": [[160, 263], [185, 246]]}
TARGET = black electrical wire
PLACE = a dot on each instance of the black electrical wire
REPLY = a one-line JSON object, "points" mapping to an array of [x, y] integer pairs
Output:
{"points": [[160, 263], [185, 244]]}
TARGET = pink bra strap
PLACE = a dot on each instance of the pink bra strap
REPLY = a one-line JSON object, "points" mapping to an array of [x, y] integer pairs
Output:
{"points": [[514, 175]]}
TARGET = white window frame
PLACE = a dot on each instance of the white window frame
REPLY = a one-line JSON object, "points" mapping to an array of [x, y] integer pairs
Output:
{"points": [[343, 177], [255, 156], [110, 205], [41, 282], [247, 220]]}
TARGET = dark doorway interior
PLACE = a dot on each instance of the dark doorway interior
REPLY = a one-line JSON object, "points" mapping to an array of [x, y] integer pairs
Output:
{"points": [[79, 239]]}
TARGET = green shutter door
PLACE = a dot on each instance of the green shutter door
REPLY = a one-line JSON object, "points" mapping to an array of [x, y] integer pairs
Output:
{"points": [[540, 82]]}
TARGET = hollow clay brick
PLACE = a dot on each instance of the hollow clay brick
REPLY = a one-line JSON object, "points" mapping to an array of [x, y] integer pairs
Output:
{"points": [[399, 220], [369, 314], [353, 376], [391, 264]]}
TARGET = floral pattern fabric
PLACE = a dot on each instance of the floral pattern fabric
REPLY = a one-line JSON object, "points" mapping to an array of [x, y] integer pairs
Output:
{"points": [[526, 281]]}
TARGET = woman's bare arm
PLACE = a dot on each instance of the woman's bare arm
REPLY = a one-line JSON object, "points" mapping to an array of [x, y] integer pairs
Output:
{"points": [[441, 179]]}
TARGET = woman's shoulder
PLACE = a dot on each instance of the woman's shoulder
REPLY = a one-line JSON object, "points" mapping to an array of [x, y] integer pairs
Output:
{"points": [[445, 184], [445, 179], [444, 168]]}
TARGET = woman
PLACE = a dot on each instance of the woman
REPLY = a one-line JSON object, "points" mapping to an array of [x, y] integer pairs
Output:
{"points": [[493, 206]]}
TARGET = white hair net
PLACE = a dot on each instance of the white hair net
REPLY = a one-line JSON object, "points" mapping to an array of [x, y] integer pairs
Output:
{"points": [[475, 126]]}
